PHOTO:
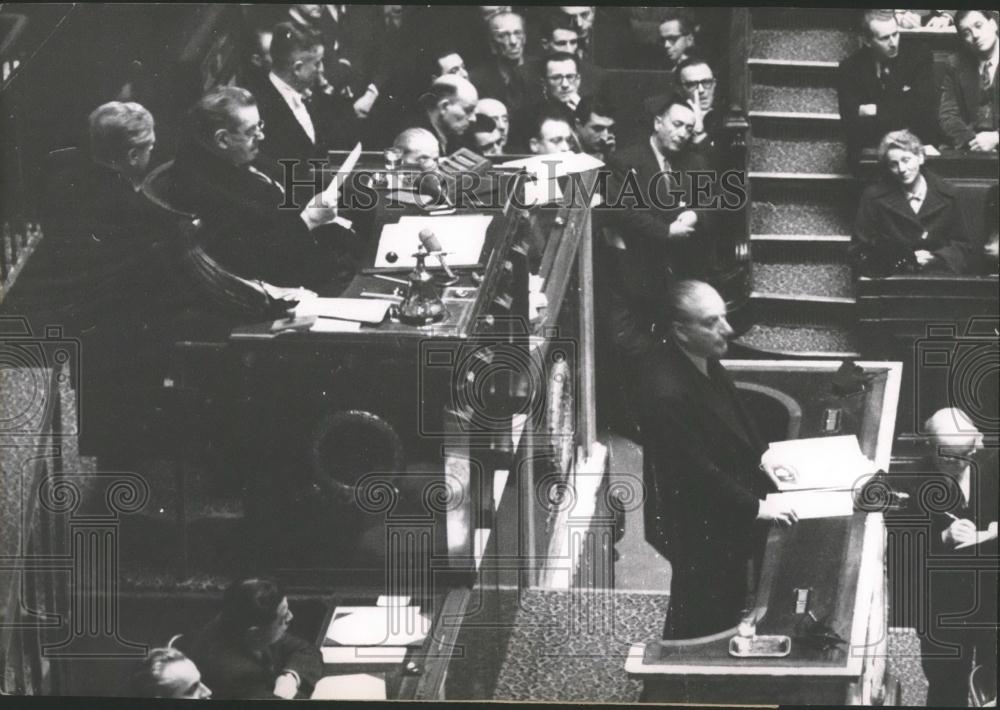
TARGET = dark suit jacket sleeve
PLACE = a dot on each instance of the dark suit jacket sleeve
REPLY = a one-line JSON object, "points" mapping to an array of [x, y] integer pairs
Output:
{"points": [[849, 96], [958, 131], [957, 250], [920, 103], [630, 209], [295, 654], [682, 448]]}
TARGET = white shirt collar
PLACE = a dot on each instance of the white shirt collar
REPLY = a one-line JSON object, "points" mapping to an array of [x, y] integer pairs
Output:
{"points": [[290, 95], [660, 157], [919, 190]]}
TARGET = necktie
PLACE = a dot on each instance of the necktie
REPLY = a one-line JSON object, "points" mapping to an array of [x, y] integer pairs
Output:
{"points": [[984, 78]]}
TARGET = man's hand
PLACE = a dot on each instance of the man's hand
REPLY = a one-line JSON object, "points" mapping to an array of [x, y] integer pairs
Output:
{"points": [[960, 532], [286, 686], [868, 109], [363, 106], [317, 213], [778, 512], [985, 141], [924, 257], [683, 225]]}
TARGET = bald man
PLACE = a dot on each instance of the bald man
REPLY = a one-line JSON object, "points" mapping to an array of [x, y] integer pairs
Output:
{"points": [[959, 599], [419, 148], [495, 110], [447, 110], [705, 507]]}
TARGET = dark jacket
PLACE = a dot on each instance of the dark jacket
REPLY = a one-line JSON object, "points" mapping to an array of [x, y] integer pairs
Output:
{"points": [[233, 672], [887, 232], [639, 276], [703, 485], [284, 137], [515, 87], [964, 109], [908, 100], [245, 228]]}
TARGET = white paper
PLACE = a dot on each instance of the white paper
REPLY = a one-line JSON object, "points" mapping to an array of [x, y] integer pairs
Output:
{"points": [[555, 165], [329, 196], [362, 310], [817, 504], [821, 462], [461, 238], [387, 600], [363, 654], [378, 626], [357, 686], [332, 325]]}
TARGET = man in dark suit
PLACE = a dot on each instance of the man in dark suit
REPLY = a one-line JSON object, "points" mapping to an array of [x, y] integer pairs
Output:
{"points": [[506, 76], [652, 233], [885, 87], [959, 603], [911, 221], [105, 273], [247, 233], [970, 102], [561, 38], [247, 652], [299, 118], [706, 507]]}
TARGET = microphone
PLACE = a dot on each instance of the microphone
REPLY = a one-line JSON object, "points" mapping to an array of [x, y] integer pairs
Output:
{"points": [[433, 245]]}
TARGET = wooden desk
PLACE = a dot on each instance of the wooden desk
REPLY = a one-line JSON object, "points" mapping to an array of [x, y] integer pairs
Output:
{"points": [[840, 559]]}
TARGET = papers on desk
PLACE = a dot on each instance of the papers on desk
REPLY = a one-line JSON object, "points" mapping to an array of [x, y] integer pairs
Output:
{"points": [[360, 310], [363, 655], [356, 686], [545, 171], [822, 462], [461, 237], [377, 626], [817, 504]]}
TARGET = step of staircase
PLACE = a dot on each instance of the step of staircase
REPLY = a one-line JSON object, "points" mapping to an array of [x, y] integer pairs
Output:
{"points": [[792, 88], [800, 248], [814, 147], [811, 44], [793, 278], [794, 340], [800, 214]]}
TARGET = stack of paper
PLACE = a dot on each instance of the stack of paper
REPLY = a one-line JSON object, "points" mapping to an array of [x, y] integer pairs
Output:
{"points": [[816, 504], [822, 462], [356, 686], [358, 310], [377, 626]]}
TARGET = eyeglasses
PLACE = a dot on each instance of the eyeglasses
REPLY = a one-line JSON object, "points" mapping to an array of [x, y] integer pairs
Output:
{"points": [[255, 130], [699, 83], [560, 78]]}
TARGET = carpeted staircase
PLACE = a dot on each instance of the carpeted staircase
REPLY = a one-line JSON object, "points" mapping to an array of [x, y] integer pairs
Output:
{"points": [[803, 196]]}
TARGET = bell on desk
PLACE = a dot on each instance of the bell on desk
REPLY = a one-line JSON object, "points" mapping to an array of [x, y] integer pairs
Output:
{"points": [[422, 305]]}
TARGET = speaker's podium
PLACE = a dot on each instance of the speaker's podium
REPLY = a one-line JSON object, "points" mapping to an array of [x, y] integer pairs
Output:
{"points": [[820, 613], [416, 447]]}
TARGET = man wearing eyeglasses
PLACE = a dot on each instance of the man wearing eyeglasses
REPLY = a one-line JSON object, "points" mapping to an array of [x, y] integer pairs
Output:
{"points": [[247, 228], [506, 76], [958, 597]]}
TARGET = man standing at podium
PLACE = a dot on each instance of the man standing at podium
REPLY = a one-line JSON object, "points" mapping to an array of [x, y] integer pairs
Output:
{"points": [[705, 491]]}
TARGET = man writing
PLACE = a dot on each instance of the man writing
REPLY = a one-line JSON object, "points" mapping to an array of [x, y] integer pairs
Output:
{"points": [[706, 507]]}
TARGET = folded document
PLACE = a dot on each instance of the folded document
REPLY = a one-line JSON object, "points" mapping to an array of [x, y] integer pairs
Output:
{"points": [[821, 462]]}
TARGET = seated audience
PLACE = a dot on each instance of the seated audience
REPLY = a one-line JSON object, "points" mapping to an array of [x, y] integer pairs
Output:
{"points": [[446, 61], [969, 98], [239, 205], [552, 134], [247, 652], [506, 75], [654, 235], [595, 127], [561, 73], [959, 601], [910, 221], [496, 112], [447, 110], [558, 38], [168, 673], [299, 117], [885, 86]]}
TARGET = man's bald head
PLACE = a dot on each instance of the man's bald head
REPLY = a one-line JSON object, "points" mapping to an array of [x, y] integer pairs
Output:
{"points": [[453, 102], [953, 438], [419, 148]]}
